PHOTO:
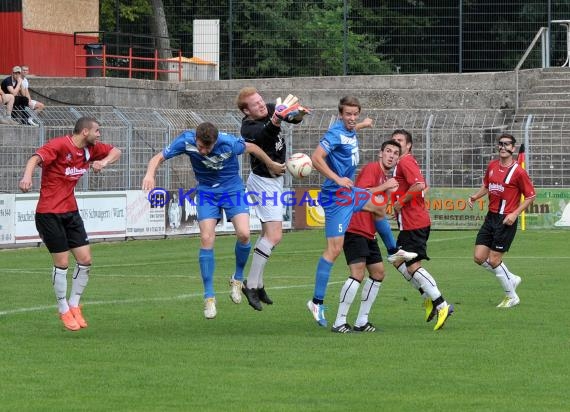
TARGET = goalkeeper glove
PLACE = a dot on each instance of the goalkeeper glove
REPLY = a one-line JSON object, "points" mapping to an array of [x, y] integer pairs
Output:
{"points": [[301, 112], [287, 109]]}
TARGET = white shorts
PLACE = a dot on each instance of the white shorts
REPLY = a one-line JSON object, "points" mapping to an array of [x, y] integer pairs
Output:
{"points": [[266, 197]]}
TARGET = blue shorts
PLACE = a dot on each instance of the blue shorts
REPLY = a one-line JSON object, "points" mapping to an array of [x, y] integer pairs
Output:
{"points": [[210, 205], [339, 207]]}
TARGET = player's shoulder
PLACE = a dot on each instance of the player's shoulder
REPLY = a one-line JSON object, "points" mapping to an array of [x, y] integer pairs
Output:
{"points": [[408, 160], [59, 141], [188, 135], [227, 137], [370, 167], [520, 170]]}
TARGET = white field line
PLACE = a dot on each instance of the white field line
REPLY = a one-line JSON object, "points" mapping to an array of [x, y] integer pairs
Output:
{"points": [[189, 296], [139, 300]]}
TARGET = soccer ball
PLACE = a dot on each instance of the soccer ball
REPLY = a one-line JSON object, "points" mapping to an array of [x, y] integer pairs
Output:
{"points": [[299, 165]]}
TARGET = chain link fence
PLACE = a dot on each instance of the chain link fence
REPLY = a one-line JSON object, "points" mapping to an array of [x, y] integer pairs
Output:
{"points": [[453, 147], [292, 38]]}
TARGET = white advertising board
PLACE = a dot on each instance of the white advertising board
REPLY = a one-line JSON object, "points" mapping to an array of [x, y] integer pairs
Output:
{"points": [[24, 218], [142, 219], [7, 218], [104, 213]]}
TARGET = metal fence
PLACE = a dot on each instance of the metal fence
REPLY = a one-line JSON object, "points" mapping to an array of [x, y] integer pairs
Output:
{"points": [[453, 147], [291, 38]]}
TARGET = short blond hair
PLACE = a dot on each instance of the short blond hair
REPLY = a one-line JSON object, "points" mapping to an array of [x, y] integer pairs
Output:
{"points": [[244, 93]]}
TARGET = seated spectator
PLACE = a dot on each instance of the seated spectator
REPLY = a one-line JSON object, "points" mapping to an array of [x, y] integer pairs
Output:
{"points": [[8, 100], [12, 85], [25, 91]]}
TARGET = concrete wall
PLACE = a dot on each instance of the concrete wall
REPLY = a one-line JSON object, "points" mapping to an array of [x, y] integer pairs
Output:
{"points": [[433, 91], [99, 91], [444, 91]]}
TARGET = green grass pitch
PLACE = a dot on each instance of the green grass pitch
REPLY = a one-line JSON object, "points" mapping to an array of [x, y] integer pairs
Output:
{"points": [[149, 348]]}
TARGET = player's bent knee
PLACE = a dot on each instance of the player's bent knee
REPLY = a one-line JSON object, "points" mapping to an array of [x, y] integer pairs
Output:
{"points": [[478, 260]]}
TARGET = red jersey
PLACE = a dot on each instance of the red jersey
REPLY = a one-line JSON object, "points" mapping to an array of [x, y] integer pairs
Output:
{"points": [[63, 164], [505, 185], [362, 223], [414, 214]]}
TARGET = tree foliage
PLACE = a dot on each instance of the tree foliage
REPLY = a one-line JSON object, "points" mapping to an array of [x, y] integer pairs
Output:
{"points": [[285, 38]]}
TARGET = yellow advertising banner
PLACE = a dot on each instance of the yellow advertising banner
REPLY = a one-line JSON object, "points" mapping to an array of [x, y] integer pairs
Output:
{"points": [[449, 209]]}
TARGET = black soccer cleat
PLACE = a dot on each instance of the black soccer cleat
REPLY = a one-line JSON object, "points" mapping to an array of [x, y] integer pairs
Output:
{"points": [[367, 327], [262, 294], [346, 328], [252, 296]]}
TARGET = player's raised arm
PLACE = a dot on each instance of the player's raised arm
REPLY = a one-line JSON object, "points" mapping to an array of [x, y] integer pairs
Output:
{"points": [[111, 158], [276, 168], [366, 123]]}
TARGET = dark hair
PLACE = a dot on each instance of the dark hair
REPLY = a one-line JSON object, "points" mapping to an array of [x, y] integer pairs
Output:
{"points": [[508, 136], [84, 123], [405, 133], [390, 142], [348, 101], [207, 133]]}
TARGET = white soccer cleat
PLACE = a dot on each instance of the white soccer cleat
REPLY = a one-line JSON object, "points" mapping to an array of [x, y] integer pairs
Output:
{"points": [[509, 302], [210, 311], [402, 255], [235, 290], [318, 312], [32, 122]]}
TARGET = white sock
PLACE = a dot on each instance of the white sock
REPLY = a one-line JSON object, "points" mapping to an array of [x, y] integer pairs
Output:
{"points": [[427, 283], [487, 266], [369, 294], [261, 253], [404, 271], [347, 295], [59, 282], [505, 279], [78, 283]]}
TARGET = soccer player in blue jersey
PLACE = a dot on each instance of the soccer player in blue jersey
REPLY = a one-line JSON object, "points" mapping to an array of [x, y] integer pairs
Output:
{"points": [[336, 157], [214, 159]]}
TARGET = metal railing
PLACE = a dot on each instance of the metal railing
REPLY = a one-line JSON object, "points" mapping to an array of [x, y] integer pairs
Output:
{"points": [[129, 57], [543, 35]]}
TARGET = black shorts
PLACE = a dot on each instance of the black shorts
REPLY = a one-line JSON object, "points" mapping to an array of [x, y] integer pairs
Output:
{"points": [[415, 241], [61, 231], [496, 235], [358, 248]]}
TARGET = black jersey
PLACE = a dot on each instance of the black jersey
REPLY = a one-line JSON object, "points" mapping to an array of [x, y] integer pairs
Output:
{"points": [[267, 136]]}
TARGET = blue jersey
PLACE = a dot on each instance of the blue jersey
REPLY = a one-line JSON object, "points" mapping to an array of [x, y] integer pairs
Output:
{"points": [[218, 171], [341, 146]]}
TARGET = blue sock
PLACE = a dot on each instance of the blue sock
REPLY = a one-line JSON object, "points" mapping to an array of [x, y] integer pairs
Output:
{"points": [[385, 231], [207, 265], [324, 268], [242, 254]]}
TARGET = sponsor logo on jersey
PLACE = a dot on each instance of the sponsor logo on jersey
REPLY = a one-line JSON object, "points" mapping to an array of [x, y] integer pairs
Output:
{"points": [[351, 140], [496, 187], [74, 171]]}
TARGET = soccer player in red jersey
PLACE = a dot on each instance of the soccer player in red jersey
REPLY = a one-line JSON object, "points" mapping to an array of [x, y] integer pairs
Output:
{"points": [[505, 180], [414, 224], [63, 161], [361, 247]]}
